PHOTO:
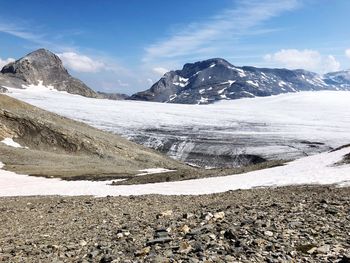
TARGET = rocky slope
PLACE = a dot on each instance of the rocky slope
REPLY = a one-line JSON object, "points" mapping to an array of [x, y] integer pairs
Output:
{"points": [[289, 224], [111, 96], [42, 66], [56, 146], [216, 79]]}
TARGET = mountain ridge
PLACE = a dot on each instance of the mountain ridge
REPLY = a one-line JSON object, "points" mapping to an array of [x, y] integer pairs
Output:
{"points": [[215, 79]]}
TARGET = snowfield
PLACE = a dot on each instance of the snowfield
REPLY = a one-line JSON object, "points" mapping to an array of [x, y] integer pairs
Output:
{"points": [[317, 169], [287, 126]]}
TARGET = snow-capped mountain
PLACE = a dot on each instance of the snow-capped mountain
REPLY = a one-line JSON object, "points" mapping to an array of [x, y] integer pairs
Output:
{"points": [[339, 78], [42, 67], [216, 79]]}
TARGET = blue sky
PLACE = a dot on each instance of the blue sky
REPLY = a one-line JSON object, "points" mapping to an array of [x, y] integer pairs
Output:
{"points": [[125, 46]]}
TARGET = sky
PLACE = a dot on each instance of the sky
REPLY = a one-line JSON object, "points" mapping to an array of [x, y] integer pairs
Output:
{"points": [[125, 46]]}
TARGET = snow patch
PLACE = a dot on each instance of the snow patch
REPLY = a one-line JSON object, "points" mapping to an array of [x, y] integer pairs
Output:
{"points": [[154, 171], [252, 83], [203, 100], [317, 169], [10, 142], [39, 86], [222, 91], [230, 82], [282, 83]]}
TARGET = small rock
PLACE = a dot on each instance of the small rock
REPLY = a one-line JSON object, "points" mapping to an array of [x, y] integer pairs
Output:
{"points": [[208, 216], [142, 252], [323, 249], [167, 213], [219, 215], [268, 233], [312, 250], [188, 215], [185, 229], [161, 240], [82, 243], [185, 248]]}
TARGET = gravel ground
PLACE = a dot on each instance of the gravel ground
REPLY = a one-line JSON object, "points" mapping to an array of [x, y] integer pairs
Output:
{"points": [[287, 224]]}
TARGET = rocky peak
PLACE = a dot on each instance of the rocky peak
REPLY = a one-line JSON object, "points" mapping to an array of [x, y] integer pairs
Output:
{"points": [[40, 65], [46, 67]]}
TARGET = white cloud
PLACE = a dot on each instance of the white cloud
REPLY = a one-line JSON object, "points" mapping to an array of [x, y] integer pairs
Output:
{"points": [[347, 53], [81, 63], [217, 32], [303, 59], [122, 84], [4, 62], [160, 70], [150, 81]]}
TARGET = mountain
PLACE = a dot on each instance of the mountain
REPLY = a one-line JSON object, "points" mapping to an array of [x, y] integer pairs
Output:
{"points": [[42, 67], [216, 79], [112, 96], [339, 78]]}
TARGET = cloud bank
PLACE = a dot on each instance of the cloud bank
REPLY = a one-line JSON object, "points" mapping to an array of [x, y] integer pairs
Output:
{"points": [[81, 63], [303, 59]]}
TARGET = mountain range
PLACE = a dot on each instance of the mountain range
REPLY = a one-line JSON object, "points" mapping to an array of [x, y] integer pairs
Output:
{"points": [[216, 79], [201, 82]]}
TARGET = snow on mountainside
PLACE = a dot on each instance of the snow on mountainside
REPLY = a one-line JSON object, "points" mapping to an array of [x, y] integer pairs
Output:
{"points": [[44, 68], [340, 78], [286, 126], [216, 79]]}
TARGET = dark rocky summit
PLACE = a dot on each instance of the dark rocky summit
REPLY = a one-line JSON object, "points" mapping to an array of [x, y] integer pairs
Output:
{"points": [[216, 79], [289, 224], [42, 66]]}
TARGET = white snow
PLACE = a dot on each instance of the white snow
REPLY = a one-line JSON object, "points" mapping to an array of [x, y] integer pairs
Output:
{"points": [[241, 72], [182, 82], [201, 91], [182, 79], [282, 83], [228, 82], [154, 171], [172, 97], [40, 86], [280, 117], [317, 169], [213, 65], [11, 142], [203, 100], [222, 91], [252, 83]]}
